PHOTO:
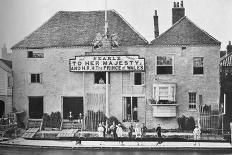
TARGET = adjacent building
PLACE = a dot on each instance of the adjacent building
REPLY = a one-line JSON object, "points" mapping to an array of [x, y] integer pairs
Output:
{"points": [[226, 85], [6, 85], [86, 62]]}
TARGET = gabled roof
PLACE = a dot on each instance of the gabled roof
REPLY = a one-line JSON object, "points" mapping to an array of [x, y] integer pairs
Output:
{"points": [[7, 62], [185, 32], [66, 29]]}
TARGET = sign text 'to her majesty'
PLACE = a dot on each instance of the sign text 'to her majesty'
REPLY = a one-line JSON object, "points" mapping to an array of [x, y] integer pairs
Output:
{"points": [[106, 63]]}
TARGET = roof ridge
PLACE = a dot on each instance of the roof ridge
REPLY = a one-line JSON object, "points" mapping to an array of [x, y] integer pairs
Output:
{"points": [[203, 31], [216, 42], [143, 38], [169, 28], [35, 30]]}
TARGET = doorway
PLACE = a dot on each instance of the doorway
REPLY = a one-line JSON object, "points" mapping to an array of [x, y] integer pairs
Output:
{"points": [[73, 105], [2, 108]]}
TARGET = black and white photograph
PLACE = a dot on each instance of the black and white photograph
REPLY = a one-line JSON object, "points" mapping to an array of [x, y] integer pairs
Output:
{"points": [[119, 77]]}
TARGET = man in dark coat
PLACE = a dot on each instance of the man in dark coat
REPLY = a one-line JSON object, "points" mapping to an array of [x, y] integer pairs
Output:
{"points": [[158, 131]]}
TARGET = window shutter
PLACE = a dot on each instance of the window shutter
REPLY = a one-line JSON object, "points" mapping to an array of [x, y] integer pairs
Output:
{"points": [[143, 78], [132, 77], [40, 78]]}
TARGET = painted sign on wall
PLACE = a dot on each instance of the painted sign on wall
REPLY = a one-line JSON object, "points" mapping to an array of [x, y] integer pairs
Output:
{"points": [[106, 63]]}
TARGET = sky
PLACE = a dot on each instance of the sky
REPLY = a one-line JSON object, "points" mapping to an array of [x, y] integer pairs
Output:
{"points": [[19, 18]]}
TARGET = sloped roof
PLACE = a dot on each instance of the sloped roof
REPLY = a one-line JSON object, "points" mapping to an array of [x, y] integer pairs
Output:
{"points": [[185, 32], [67, 29], [7, 62]]}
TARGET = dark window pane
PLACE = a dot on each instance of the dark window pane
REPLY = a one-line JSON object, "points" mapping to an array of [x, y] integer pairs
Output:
{"points": [[138, 78], [33, 78], [198, 70], [164, 69], [73, 104], [100, 78], [135, 108], [36, 107], [30, 54]]}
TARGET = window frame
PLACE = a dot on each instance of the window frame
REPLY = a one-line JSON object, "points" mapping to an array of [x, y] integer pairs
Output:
{"points": [[173, 60], [171, 91], [133, 114], [97, 83], [191, 101], [37, 79], [143, 77], [194, 67]]}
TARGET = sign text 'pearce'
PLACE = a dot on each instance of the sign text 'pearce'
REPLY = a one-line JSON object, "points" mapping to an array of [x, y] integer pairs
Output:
{"points": [[106, 63]]}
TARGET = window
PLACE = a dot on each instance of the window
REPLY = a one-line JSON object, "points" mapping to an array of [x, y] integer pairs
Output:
{"points": [[192, 100], [100, 78], [164, 65], [139, 78], [36, 107], [36, 78], [164, 93], [9, 82], [130, 108], [30, 54], [198, 65]]}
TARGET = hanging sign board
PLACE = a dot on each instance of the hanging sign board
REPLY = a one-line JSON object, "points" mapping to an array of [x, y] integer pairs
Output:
{"points": [[106, 63]]}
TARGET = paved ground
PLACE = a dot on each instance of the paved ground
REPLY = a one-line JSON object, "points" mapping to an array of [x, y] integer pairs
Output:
{"points": [[111, 145]]}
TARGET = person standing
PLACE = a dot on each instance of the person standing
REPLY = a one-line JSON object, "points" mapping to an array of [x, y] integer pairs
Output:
{"points": [[100, 130], [113, 129], [130, 131], [104, 132], [197, 134], [119, 130], [137, 131], [158, 131], [143, 130]]}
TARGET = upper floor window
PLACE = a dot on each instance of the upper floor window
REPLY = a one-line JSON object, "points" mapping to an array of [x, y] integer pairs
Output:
{"points": [[139, 78], [100, 78], [31, 54], [36, 78], [164, 65], [198, 65], [164, 93], [192, 100]]}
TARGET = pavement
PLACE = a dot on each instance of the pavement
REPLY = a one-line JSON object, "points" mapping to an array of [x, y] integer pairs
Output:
{"points": [[65, 144]]}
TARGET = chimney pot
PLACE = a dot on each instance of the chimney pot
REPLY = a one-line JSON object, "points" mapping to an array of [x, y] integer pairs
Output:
{"points": [[174, 4], [178, 12], [181, 4], [156, 24], [229, 48], [155, 12]]}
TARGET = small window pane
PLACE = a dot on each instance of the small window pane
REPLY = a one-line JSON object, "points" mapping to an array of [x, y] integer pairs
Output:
{"points": [[164, 65], [198, 65], [137, 78]]}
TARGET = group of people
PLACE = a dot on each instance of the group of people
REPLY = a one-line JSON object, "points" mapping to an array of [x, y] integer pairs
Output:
{"points": [[117, 131], [114, 130]]}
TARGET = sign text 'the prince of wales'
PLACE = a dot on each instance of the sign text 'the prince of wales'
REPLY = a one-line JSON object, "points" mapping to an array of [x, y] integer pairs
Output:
{"points": [[106, 63]]}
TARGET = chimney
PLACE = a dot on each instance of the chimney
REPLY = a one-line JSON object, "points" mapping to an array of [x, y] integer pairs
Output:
{"points": [[177, 11], [156, 24], [229, 48]]}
